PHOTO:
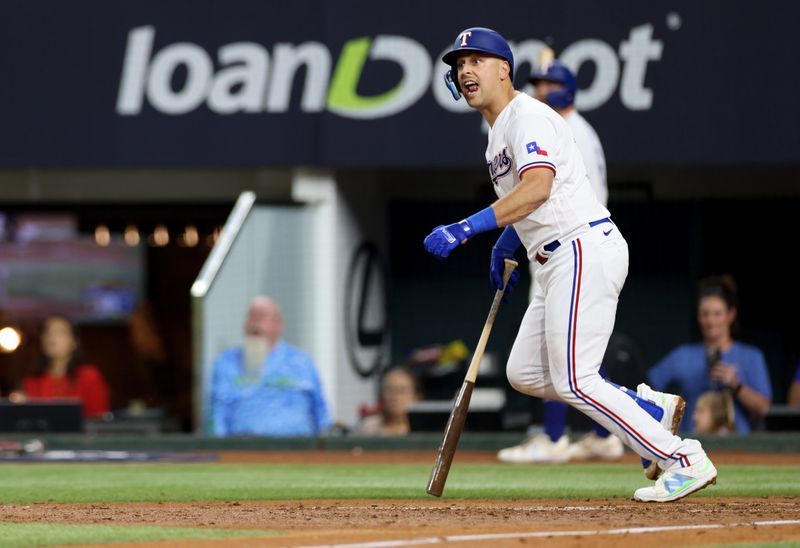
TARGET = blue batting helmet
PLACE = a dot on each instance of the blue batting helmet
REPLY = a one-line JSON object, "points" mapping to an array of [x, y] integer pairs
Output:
{"points": [[475, 39], [556, 71]]}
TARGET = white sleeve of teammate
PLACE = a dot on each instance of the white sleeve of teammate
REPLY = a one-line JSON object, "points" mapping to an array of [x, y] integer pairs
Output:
{"points": [[532, 140], [595, 161]]}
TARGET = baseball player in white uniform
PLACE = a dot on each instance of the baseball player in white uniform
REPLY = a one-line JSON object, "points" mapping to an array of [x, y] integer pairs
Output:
{"points": [[556, 86], [545, 202]]}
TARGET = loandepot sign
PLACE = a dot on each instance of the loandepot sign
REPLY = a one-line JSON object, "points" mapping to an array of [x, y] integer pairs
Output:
{"points": [[246, 78]]}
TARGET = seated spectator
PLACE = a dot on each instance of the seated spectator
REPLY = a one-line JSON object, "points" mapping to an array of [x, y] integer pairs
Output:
{"points": [[718, 362], [267, 387], [713, 413], [61, 372], [794, 390], [399, 389]]}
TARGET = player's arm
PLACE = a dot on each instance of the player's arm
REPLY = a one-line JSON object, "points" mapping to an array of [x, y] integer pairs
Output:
{"points": [[532, 191], [532, 135]]}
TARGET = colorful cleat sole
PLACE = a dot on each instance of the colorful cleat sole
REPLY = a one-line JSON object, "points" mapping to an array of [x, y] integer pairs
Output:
{"points": [[675, 485]]}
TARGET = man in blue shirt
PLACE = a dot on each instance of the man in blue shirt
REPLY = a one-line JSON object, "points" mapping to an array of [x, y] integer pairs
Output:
{"points": [[267, 387], [719, 362]]}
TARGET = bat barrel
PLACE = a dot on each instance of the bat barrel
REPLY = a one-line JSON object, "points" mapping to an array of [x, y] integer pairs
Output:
{"points": [[452, 433]]}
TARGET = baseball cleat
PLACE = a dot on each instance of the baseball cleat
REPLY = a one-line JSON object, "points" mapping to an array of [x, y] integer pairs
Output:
{"points": [[593, 447], [539, 448], [677, 483], [674, 407]]}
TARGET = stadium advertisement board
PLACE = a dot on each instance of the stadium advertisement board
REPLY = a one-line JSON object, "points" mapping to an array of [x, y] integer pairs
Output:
{"points": [[194, 84]]}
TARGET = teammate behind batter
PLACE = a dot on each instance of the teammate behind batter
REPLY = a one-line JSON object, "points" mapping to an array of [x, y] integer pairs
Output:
{"points": [[545, 201], [556, 86]]}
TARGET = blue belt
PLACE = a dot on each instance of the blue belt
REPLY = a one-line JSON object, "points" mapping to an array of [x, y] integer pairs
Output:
{"points": [[555, 244]]}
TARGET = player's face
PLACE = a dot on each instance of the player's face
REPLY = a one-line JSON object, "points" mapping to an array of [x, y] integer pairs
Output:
{"points": [[479, 76], [543, 88], [715, 318]]}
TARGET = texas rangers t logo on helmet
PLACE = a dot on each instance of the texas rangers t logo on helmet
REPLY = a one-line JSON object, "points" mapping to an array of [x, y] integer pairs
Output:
{"points": [[464, 35]]}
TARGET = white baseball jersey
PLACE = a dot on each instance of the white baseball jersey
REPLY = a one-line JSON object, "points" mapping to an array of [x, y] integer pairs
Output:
{"points": [[530, 135], [592, 151]]}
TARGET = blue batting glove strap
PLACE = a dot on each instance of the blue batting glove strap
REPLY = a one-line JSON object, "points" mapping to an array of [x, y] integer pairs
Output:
{"points": [[445, 239]]}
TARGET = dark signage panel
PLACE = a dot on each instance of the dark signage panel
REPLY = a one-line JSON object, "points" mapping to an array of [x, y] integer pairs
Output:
{"points": [[94, 83]]}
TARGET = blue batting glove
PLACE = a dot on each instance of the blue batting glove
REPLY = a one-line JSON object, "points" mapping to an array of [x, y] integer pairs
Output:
{"points": [[496, 269], [504, 249], [445, 239]]}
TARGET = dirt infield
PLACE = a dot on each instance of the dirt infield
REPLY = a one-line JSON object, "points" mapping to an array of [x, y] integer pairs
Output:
{"points": [[328, 522], [582, 522]]}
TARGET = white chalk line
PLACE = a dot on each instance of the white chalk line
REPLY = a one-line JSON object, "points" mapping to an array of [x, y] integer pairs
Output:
{"points": [[541, 534]]}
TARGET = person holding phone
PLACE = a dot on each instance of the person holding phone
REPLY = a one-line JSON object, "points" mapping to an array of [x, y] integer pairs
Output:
{"points": [[719, 362]]}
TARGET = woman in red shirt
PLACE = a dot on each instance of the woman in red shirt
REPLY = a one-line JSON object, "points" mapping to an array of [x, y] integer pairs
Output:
{"points": [[61, 373]]}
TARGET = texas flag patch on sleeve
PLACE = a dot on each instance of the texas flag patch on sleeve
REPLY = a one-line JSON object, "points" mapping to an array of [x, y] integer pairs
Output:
{"points": [[533, 148]]}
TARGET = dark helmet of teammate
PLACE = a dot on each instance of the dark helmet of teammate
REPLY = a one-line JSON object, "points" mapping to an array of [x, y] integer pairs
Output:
{"points": [[556, 71]]}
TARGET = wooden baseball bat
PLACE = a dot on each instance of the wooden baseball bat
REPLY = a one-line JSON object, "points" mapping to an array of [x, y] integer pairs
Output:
{"points": [[455, 424]]}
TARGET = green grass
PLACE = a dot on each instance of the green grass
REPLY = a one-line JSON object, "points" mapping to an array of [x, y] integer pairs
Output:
{"points": [[43, 534], [25, 483]]}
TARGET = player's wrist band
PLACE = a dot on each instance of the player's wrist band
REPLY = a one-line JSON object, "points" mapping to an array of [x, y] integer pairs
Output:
{"points": [[737, 389], [483, 221]]}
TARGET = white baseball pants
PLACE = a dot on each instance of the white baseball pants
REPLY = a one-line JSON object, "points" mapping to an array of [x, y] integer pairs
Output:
{"points": [[562, 338]]}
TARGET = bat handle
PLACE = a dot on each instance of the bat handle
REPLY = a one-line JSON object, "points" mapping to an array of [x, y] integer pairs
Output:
{"points": [[508, 269]]}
